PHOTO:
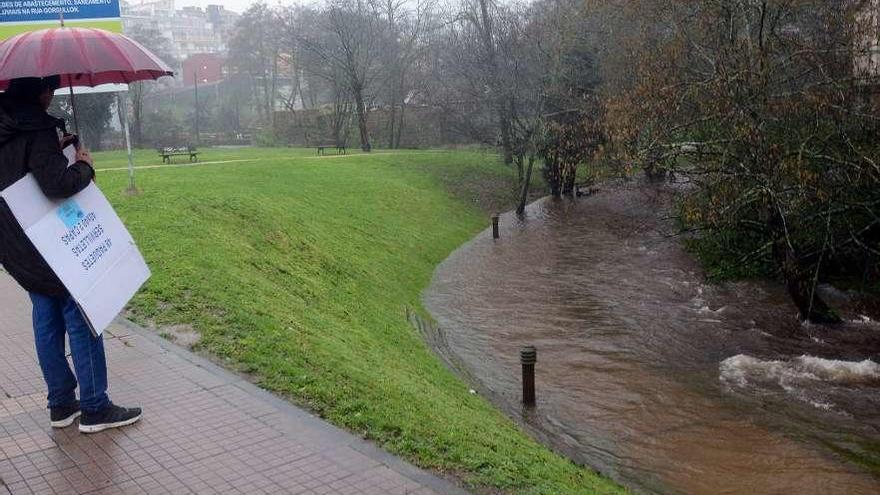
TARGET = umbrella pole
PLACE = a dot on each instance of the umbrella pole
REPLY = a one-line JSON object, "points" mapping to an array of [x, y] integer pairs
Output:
{"points": [[122, 108], [73, 110], [72, 104]]}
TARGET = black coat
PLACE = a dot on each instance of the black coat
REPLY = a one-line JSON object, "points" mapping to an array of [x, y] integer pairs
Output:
{"points": [[29, 143]]}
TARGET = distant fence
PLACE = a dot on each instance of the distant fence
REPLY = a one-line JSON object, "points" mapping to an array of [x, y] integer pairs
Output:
{"points": [[423, 127]]}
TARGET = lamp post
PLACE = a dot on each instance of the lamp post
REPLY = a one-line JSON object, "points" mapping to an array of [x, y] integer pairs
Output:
{"points": [[196, 89], [122, 108]]}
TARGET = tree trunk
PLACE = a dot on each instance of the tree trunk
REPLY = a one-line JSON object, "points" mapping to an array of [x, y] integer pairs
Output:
{"points": [[256, 95], [401, 106], [391, 123], [801, 288], [520, 169], [551, 175], [504, 123], [237, 112], [568, 179], [798, 280], [336, 121], [136, 94], [524, 193], [337, 128], [361, 110], [399, 125], [274, 94]]}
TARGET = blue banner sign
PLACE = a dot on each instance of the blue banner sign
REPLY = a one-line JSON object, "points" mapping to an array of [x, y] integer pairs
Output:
{"points": [[50, 10]]}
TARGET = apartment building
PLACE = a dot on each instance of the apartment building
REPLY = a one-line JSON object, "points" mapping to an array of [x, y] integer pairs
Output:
{"points": [[191, 30]]}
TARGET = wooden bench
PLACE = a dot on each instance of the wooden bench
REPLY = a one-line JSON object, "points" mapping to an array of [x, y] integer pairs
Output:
{"points": [[166, 152], [340, 149]]}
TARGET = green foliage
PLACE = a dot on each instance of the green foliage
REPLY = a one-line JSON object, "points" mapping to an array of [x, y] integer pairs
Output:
{"points": [[297, 269], [163, 126], [266, 137], [569, 139], [780, 142], [721, 255]]}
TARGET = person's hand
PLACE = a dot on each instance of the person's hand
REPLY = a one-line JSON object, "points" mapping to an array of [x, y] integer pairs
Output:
{"points": [[83, 155], [69, 139]]}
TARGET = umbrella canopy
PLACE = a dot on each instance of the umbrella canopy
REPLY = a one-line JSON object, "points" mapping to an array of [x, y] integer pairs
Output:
{"points": [[81, 56]]}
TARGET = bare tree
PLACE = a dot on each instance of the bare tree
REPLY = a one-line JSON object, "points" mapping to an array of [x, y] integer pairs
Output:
{"points": [[326, 83], [351, 47], [402, 47], [254, 50], [139, 91]]}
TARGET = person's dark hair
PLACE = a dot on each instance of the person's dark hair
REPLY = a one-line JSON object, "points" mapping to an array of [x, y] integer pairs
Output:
{"points": [[30, 88]]}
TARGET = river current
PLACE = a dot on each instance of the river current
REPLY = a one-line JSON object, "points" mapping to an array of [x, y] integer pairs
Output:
{"points": [[646, 372]]}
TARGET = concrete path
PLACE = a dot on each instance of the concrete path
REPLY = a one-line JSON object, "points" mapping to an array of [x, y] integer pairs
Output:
{"points": [[204, 429]]}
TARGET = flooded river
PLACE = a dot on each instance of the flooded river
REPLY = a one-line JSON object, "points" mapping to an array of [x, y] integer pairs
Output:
{"points": [[646, 372]]}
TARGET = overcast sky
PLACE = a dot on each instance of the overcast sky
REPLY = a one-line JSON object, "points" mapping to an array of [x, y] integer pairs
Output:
{"points": [[233, 5]]}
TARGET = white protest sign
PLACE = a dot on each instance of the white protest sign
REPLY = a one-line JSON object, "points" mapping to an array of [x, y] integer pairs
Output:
{"points": [[85, 243]]}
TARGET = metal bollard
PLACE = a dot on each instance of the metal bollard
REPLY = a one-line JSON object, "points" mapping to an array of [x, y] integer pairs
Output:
{"points": [[495, 226], [528, 356]]}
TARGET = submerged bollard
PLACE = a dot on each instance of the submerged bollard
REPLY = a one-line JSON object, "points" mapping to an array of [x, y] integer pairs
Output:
{"points": [[528, 356], [495, 226]]}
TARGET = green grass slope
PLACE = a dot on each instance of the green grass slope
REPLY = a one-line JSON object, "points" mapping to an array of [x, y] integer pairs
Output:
{"points": [[298, 270]]}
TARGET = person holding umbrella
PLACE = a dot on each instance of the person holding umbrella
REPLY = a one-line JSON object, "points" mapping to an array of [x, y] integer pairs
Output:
{"points": [[30, 143], [32, 66]]}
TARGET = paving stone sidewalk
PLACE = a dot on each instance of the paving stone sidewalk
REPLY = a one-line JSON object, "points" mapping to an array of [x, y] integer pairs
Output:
{"points": [[204, 429]]}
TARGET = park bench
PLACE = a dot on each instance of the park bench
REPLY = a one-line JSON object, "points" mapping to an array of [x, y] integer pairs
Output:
{"points": [[166, 152], [340, 149]]}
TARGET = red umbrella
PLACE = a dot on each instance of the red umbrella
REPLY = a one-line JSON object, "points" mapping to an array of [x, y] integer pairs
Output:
{"points": [[81, 56]]}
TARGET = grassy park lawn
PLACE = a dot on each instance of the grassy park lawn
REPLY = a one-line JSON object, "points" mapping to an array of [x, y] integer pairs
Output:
{"points": [[298, 269]]}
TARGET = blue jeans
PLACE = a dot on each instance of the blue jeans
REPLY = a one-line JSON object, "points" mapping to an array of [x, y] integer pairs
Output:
{"points": [[53, 317]]}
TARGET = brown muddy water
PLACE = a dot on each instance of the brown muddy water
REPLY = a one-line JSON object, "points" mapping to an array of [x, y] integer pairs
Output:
{"points": [[649, 374]]}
